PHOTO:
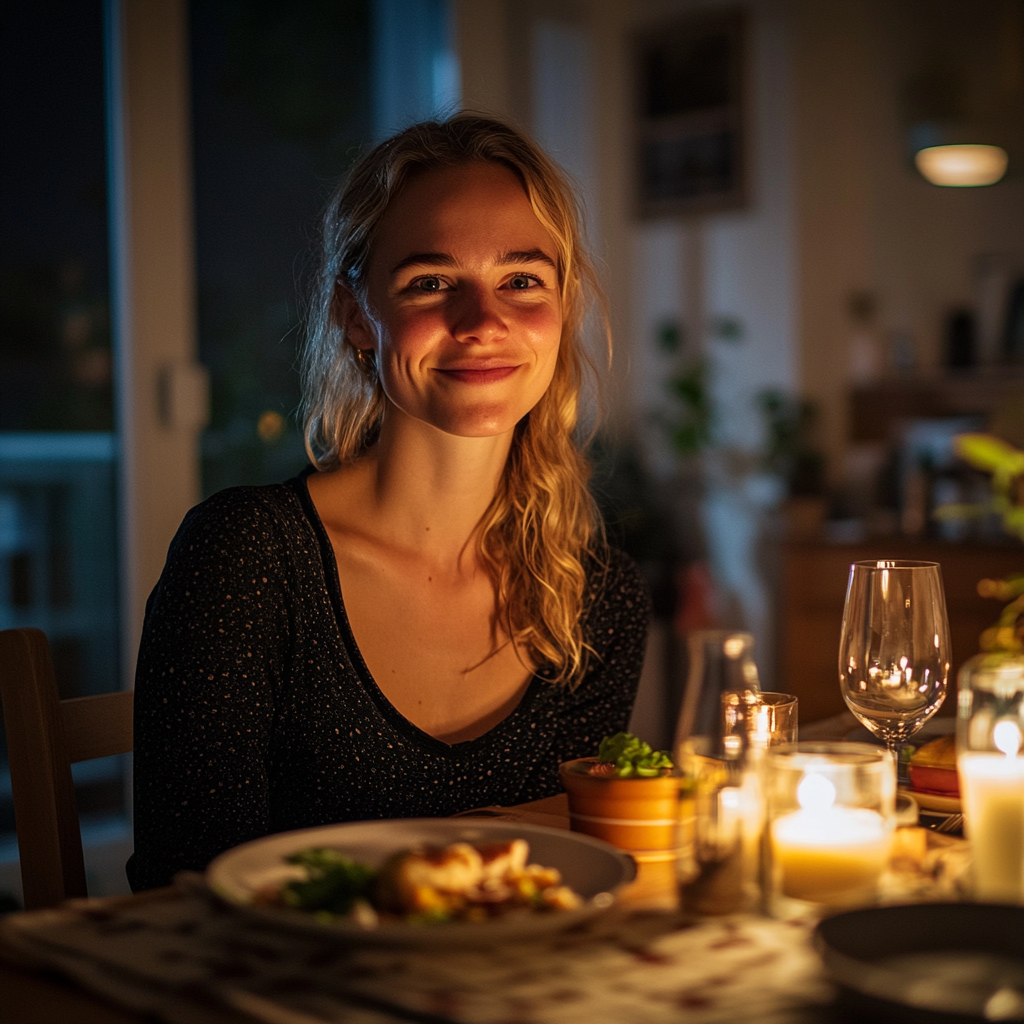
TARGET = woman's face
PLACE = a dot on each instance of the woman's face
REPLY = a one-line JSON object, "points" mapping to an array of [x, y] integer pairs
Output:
{"points": [[463, 307]]}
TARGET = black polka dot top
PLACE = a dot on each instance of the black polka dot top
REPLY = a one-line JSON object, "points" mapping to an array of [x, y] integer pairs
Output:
{"points": [[254, 711]]}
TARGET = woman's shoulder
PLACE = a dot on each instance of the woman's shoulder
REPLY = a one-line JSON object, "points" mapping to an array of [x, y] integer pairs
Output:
{"points": [[616, 587], [607, 566], [265, 514]]}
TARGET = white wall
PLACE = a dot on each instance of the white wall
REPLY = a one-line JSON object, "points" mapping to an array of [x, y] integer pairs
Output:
{"points": [[161, 396], [865, 219], [740, 265]]}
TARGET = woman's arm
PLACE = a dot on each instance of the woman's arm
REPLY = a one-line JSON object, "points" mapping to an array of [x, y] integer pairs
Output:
{"points": [[213, 655]]}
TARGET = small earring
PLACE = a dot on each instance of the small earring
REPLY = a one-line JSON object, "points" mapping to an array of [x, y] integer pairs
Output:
{"points": [[367, 361]]}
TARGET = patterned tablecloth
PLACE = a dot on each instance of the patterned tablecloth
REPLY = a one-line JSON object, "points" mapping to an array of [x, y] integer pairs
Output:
{"points": [[184, 957]]}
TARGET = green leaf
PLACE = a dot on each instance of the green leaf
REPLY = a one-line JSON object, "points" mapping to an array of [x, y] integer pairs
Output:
{"points": [[984, 451], [632, 756], [333, 883]]}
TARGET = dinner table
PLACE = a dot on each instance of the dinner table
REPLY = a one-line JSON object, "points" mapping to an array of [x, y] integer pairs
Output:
{"points": [[179, 956]]}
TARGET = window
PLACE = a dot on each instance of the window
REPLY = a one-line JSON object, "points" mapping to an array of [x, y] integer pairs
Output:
{"points": [[58, 521]]}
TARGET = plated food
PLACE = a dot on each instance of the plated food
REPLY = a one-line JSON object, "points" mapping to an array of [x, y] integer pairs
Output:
{"points": [[430, 899], [430, 885], [933, 767]]}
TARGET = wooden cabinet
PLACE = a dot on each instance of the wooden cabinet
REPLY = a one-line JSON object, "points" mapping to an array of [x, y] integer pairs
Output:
{"points": [[813, 588]]}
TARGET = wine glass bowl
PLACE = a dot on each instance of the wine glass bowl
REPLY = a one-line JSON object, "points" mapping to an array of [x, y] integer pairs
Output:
{"points": [[894, 653]]}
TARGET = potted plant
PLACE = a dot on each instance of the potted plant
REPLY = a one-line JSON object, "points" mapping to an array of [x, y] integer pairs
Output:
{"points": [[1003, 642], [628, 796]]}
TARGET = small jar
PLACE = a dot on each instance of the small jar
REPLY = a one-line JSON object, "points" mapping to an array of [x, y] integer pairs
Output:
{"points": [[832, 811], [990, 766], [756, 721]]}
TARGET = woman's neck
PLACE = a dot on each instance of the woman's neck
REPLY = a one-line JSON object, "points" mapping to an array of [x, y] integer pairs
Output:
{"points": [[417, 489]]}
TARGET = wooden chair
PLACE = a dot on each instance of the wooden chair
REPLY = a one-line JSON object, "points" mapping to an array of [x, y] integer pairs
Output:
{"points": [[45, 736]]}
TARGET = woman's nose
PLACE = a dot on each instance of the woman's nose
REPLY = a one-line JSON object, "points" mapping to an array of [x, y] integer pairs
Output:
{"points": [[476, 317]]}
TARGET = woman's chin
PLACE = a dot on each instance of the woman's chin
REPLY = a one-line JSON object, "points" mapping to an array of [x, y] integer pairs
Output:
{"points": [[487, 421]]}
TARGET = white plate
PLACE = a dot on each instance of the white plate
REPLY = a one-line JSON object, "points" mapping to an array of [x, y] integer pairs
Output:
{"points": [[592, 868], [934, 801]]}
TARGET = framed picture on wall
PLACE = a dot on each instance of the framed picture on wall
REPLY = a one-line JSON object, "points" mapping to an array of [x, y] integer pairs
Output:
{"points": [[691, 153]]}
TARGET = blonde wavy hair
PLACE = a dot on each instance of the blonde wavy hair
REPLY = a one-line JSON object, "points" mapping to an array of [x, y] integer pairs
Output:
{"points": [[542, 524]]}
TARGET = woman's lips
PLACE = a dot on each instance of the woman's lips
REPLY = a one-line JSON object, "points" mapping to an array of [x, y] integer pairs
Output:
{"points": [[471, 375]]}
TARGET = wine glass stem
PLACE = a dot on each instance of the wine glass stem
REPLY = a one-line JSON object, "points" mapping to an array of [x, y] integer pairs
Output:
{"points": [[896, 749]]}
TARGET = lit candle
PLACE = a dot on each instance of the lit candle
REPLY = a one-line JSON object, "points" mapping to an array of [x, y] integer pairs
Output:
{"points": [[993, 792], [729, 817], [828, 854], [761, 737]]}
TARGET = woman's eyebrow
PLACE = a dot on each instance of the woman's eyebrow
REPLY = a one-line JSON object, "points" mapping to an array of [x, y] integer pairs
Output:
{"points": [[425, 259], [526, 256], [444, 259]]}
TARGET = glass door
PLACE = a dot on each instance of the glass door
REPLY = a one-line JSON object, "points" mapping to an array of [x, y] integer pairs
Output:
{"points": [[58, 496]]}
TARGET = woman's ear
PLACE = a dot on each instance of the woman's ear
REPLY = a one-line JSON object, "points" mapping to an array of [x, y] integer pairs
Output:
{"points": [[350, 317]]}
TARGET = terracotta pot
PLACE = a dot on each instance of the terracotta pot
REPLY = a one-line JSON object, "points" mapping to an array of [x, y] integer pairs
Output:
{"points": [[638, 815]]}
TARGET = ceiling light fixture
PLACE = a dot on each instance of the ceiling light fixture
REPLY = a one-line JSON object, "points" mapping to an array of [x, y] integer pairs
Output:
{"points": [[962, 166]]}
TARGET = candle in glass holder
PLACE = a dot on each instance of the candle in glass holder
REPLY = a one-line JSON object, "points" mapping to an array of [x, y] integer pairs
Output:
{"points": [[989, 734], [832, 811], [826, 853], [992, 785]]}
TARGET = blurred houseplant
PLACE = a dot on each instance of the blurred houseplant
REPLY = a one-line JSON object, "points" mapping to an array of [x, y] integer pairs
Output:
{"points": [[1005, 465], [790, 453]]}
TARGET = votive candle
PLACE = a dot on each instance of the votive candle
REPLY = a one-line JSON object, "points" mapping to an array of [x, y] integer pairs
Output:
{"points": [[992, 786], [828, 854]]}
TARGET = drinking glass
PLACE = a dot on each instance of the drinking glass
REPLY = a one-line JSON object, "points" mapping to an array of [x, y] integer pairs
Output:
{"points": [[894, 648], [757, 721]]}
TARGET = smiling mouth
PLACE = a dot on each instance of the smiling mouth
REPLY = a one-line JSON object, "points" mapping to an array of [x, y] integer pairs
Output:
{"points": [[489, 375]]}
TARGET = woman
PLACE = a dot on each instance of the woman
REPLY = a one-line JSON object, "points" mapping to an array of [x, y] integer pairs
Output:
{"points": [[431, 620]]}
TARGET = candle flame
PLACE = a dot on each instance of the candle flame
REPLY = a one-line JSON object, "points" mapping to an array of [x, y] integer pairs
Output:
{"points": [[1006, 736], [733, 647], [762, 728], [815, 792]]}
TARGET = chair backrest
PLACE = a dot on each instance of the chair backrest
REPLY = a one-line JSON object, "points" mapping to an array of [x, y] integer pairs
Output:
{"points": [[45, 736]]}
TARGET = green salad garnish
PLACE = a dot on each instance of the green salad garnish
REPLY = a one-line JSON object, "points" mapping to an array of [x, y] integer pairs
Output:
{"points": [[334, 884], [632, 757]]}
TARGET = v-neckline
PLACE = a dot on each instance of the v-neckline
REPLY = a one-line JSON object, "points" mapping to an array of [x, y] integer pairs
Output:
{"points": [[332, 579]]}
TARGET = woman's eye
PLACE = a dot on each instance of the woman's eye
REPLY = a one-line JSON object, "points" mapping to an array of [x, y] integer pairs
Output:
{"points": [[428, 284], [522, 281]]}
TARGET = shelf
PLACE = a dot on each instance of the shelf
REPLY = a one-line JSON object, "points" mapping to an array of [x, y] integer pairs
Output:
{"points": [[875, 408]]}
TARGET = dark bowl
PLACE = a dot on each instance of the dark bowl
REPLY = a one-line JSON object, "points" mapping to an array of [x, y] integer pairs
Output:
{"points": [[927, 963]]}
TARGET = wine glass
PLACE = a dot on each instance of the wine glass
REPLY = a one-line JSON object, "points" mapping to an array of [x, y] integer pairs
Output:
{"points": [[894, 648]]}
